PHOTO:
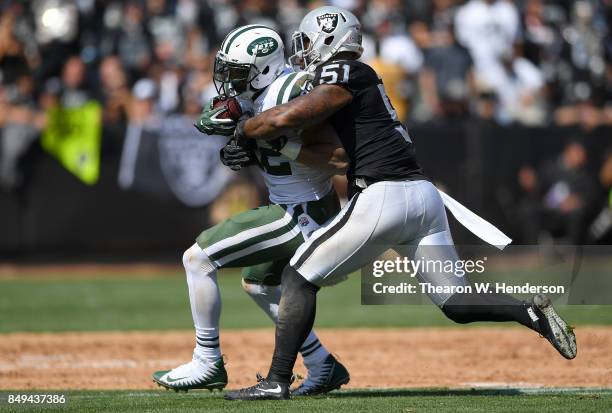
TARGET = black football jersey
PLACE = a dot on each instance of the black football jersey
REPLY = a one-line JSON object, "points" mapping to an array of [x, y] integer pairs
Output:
{"points": [[376, 142]]}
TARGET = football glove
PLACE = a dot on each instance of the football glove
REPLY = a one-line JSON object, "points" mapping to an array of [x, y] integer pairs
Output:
{"points": [[210, 123], [236, 156]]}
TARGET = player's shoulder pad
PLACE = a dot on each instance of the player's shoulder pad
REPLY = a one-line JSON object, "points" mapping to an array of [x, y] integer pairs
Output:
{"points": [[273, 93], [352, 74], [294, 85]]}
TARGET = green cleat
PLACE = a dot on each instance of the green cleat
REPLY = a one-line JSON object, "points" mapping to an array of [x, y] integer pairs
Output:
{"points": [[199, 373]]}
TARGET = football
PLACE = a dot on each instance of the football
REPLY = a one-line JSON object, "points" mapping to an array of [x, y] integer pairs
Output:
{"points": [[233, 110]]}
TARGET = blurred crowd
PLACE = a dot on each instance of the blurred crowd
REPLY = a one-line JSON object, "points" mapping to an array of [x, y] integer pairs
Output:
{"points": [[561, 200], [529, 62]]}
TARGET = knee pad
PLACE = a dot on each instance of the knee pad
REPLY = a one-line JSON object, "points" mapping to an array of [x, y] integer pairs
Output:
{"points": [[196, 260]]}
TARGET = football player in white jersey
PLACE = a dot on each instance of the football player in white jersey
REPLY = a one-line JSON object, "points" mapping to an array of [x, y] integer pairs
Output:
{"points": [[250, 66]]}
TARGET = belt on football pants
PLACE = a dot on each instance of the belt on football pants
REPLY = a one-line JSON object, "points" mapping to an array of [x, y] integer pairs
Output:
{"points": [[359, 183]]}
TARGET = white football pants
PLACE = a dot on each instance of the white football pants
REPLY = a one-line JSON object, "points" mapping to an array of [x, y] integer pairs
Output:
{"points": [[408, 216]]}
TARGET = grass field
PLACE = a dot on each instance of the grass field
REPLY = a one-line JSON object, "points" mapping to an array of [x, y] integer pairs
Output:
{"points": [[405, 401], [57, 303], [98, 303]]}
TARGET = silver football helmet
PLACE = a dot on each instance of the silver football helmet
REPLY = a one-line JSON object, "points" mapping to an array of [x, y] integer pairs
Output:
{"points": [[323, 33]]}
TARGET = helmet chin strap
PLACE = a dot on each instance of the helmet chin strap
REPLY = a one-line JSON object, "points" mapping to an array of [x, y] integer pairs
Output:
{"points": [[249, 93]]}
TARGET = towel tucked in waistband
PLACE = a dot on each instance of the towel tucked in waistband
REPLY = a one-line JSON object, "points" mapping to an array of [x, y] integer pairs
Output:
{"points": [[475, 224]]}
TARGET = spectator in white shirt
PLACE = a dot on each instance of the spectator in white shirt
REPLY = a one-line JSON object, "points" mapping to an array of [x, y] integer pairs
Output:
{"points": [[488, 29]]}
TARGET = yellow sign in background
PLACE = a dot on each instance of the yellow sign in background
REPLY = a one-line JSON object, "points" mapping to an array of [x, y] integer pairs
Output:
{"points": [[72, 136]]}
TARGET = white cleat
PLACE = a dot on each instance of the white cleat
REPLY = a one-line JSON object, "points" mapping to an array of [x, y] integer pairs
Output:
{"points": [[199, 373]]}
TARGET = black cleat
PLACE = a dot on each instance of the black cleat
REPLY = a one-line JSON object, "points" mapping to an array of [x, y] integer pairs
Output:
{"points": [[263, 390], [552, 326]]}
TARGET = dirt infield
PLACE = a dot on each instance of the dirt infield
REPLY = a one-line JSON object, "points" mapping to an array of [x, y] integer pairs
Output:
{"points": [[375, 358]]}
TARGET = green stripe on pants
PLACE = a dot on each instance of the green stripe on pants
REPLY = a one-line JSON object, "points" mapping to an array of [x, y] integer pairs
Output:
{"points": [[263, 239], [248, 236]]}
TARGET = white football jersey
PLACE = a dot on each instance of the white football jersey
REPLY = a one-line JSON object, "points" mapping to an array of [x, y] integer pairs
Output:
{"points": [[288, 181]]}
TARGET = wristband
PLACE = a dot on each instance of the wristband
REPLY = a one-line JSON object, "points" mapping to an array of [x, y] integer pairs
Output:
{"points": [[291, 150]]}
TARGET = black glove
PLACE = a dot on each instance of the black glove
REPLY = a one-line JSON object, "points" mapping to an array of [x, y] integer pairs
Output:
{"points": [[236, 156]]}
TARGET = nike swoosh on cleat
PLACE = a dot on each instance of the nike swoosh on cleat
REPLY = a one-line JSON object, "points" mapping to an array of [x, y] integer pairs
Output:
{"points": [[277, 390], [171, 380]]}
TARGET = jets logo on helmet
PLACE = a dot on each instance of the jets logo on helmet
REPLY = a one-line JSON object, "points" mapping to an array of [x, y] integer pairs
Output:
{"points": [[262, 46], [250, 58], [328, 22]]}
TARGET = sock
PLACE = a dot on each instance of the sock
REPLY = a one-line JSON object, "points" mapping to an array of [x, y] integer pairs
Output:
{"points": [[207, 343], [313, 351], [267, 298], [205, 300], [472, 307], [296, 317]]}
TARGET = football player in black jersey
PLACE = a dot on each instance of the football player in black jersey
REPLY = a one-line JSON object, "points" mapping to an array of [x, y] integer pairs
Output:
{"points": [[392, 204]]}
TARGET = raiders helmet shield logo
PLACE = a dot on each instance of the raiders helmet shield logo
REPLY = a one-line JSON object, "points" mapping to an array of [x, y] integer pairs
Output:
{"points": [[328, 22]]}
